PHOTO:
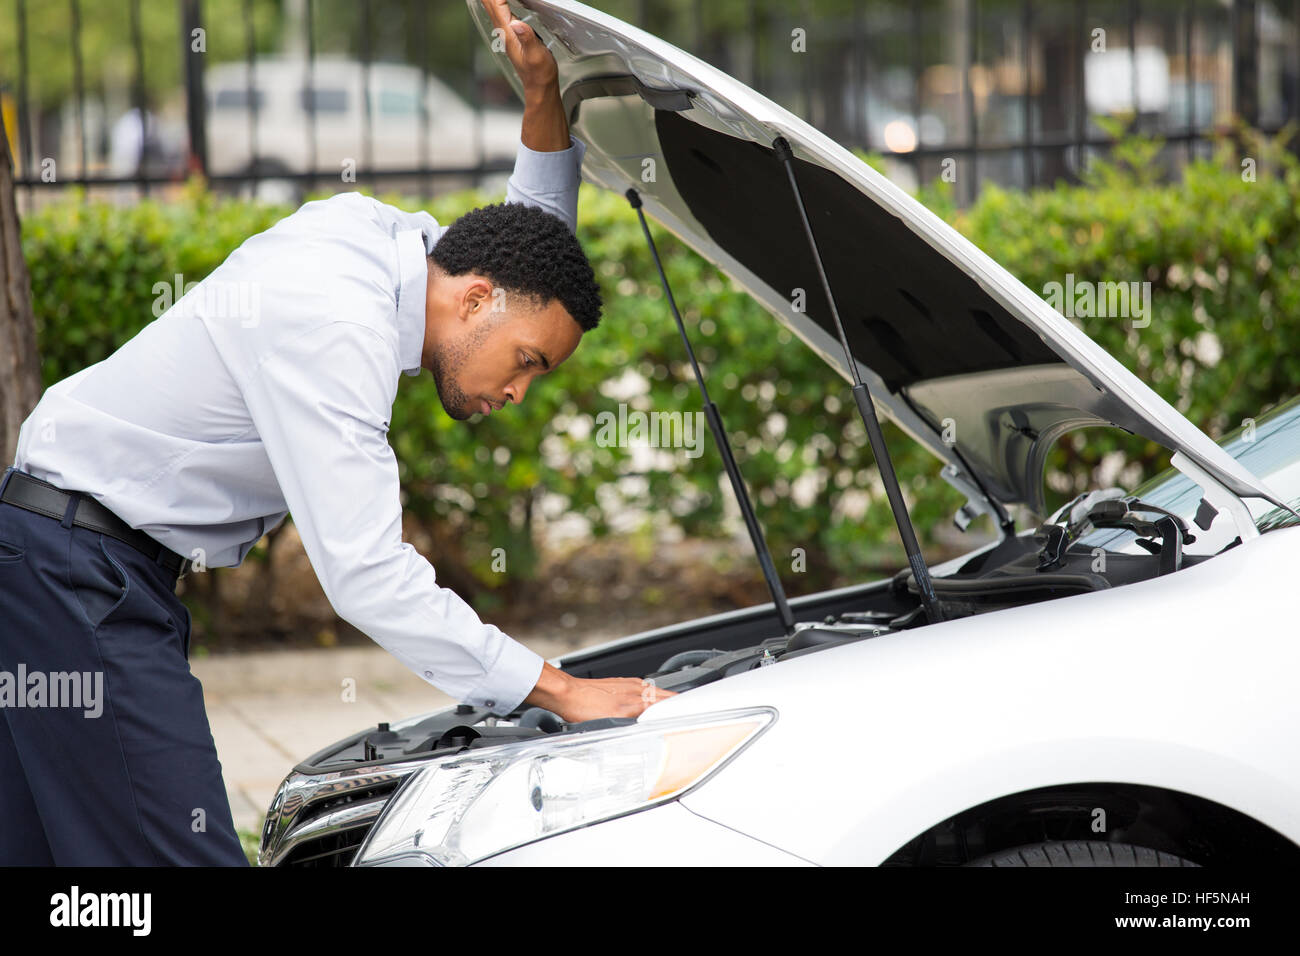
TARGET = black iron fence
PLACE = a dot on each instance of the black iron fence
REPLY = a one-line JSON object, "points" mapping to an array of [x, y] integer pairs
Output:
{"points": [[274, 118], [134, 96]]}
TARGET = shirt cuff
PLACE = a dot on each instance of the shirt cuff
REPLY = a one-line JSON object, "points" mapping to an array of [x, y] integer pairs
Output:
{"points": [[509, 679], [551, 170]]}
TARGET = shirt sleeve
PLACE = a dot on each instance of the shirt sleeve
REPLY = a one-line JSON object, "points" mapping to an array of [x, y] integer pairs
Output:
{"points": [[549, 180], [321, 404]]}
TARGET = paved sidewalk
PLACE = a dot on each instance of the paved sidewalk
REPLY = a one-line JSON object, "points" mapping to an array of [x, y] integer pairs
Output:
{"points": [[269, 710]]}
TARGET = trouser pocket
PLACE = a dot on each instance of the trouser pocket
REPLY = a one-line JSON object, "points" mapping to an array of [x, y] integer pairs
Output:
{"points": [[189, 629], [10, 553], [99, 581]]}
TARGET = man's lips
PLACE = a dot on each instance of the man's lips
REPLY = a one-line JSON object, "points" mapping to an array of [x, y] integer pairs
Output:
{"points": [[487, 406]]}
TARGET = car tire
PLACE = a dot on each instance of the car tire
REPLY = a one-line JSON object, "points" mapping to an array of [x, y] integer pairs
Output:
{"points": [[1081, 853]]}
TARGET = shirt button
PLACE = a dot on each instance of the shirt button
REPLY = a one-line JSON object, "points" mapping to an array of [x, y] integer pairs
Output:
{"points": [[490, 703], [429, 674]]}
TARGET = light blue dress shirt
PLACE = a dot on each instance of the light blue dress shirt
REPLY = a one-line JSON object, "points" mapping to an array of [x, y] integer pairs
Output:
{"points": [[268, 389]]}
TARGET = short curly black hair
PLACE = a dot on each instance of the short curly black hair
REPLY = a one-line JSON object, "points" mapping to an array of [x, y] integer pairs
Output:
{"points": [[526, 250]]}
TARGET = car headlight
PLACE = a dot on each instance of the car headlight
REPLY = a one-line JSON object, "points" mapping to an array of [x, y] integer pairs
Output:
{"points": [[465, 808]]}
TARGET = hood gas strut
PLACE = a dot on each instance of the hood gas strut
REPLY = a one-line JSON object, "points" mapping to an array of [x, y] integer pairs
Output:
{"points": [[866, 409], [720, 436]]}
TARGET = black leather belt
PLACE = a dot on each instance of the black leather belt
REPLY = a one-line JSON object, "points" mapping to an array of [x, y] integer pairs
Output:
{"points": [[39, 496]]}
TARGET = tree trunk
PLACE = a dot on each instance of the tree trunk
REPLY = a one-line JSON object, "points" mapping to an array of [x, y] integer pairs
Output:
{"points": [[20, 369]]}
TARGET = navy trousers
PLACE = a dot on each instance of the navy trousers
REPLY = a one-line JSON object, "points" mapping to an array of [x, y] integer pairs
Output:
{"points": [[106, 755]]}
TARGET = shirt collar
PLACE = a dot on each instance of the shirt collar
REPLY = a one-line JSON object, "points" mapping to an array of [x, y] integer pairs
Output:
{"points": [[413, 246]]}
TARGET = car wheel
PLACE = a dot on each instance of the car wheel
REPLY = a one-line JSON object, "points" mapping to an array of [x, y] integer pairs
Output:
{"points": [[1081, 853]]}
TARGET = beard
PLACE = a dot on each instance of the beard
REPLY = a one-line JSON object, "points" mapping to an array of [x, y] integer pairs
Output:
{"points": [[446, 360]]}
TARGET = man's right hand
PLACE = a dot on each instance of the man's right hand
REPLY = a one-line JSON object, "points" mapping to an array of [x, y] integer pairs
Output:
{"points": [[544, 127], [576, 698]]}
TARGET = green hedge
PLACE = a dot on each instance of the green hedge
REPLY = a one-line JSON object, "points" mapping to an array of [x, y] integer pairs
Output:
{"points": [[1222, 254]]}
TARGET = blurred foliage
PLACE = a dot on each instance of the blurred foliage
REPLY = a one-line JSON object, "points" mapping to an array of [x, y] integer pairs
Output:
{"points": [[1222, 254]]}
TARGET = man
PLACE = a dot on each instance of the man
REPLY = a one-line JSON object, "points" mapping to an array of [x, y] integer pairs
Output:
{"points": [[268, 389]]}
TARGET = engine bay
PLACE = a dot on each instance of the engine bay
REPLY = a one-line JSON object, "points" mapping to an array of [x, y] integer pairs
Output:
{"points": [[465, 727], [1019, 570]]}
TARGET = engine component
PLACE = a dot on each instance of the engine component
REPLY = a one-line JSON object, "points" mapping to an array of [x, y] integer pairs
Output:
{"points": [[688, 659]]}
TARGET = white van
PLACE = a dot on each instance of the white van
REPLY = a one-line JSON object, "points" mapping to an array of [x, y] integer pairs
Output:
{"points": [[283, 93]]}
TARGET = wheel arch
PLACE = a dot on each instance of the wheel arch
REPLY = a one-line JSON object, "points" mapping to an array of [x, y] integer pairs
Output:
{"points": [[1184, 824]]}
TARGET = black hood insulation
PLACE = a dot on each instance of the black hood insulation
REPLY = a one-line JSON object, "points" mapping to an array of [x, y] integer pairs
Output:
{"points": [[906, 322]]}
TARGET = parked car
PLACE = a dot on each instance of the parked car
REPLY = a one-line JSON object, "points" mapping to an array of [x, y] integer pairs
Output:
{"points": [[1109, 684], [286, 93]]}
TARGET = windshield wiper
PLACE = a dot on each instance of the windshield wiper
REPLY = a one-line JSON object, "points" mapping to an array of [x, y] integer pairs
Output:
{"points": [[720, 436], [866, 409]]}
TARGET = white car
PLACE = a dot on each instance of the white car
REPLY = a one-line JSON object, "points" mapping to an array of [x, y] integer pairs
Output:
{"points": [[283, 93], [1115, 686]]}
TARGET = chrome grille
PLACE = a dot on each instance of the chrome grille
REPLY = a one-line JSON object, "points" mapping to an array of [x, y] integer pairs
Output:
{"points": [[321, 819]]}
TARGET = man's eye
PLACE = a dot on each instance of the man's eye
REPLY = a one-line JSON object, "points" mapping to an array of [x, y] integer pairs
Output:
{"points": [[527, 361]]}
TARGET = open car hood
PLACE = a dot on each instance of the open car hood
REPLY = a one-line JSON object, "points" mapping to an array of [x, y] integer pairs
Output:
{"points": [[953, 348]]}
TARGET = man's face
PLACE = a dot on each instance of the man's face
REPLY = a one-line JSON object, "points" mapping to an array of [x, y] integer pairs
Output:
{"points": [[481, 359]]}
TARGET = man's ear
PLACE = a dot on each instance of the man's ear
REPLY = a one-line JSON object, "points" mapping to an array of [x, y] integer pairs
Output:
{"points": [[476, 299]]}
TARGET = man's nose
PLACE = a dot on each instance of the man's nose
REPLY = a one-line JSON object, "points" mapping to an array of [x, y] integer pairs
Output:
{"points": [[516, 392]]}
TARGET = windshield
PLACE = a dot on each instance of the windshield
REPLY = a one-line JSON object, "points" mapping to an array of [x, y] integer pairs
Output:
{"points": [[1270, 449]]}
